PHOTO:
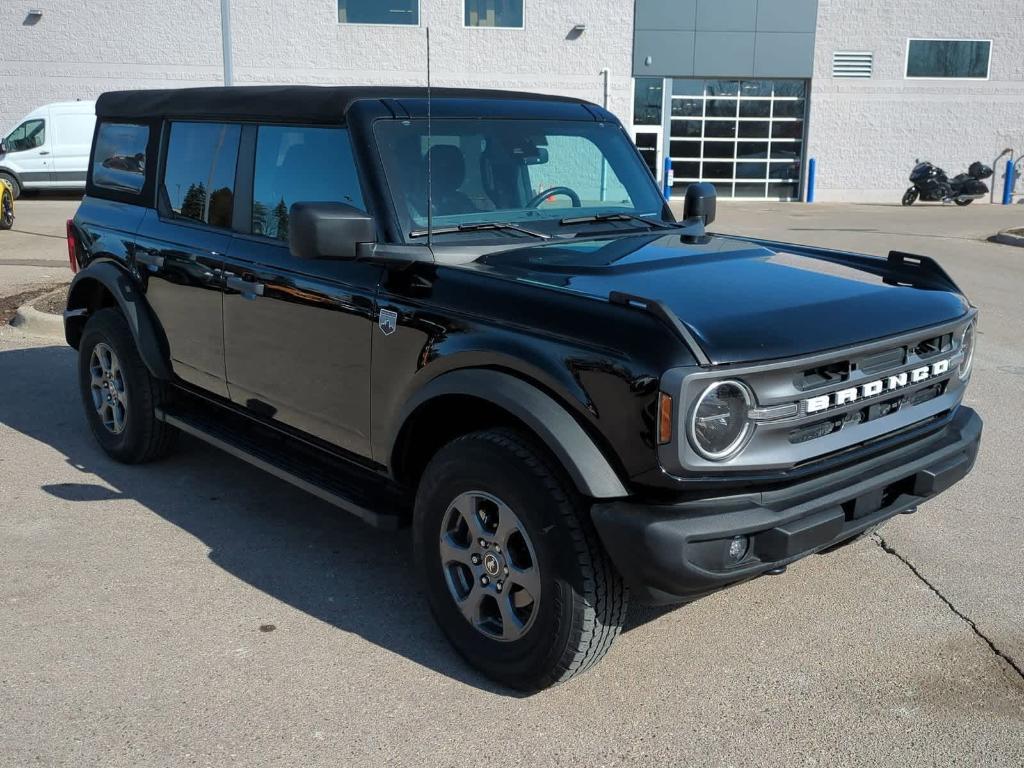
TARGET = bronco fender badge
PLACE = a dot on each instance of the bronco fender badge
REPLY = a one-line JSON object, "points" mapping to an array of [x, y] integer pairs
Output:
{"points": [[388, 321]]}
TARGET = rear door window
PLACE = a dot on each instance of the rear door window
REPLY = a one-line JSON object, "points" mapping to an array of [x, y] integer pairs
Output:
{"points": [[300, 164], [119, 162], [199, 174]]}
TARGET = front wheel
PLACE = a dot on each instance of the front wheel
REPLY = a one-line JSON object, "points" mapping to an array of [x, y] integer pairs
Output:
{"points": [[513, 569], [910, 196], [962, 202]]}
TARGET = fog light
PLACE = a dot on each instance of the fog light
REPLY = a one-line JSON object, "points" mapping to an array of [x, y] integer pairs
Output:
{"points": [[738, 548]]}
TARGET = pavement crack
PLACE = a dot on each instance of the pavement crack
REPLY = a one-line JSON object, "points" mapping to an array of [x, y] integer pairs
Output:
{"points": [[888, 548]]}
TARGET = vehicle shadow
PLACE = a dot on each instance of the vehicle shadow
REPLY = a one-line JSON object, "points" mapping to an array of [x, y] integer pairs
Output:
{"points": [[292, 546]]}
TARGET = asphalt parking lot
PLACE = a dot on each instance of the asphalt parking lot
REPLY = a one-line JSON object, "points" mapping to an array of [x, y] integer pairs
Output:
{"points": [[199, 612]]}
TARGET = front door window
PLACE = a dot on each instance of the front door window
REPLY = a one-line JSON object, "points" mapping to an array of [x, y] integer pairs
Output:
{"points": [[29, 135]]}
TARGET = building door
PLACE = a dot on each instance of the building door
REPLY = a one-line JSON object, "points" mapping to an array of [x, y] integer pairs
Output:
{"points": [[648, 131], [744, 136]]}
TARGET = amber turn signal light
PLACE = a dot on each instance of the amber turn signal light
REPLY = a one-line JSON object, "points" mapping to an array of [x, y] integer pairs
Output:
{"points": [[664, 418]]}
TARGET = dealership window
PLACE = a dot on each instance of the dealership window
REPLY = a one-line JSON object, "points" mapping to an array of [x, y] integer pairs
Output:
{"points": [[963, 59], [379, 11], [199, 180], [295, 164], [494, 13], [119, 161], [743, 136]]}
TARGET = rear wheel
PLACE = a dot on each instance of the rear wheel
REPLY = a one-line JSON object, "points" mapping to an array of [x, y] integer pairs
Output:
{"points": [[119, 394], [511, 564], [13, 183], [910, 196], [962, 202]]}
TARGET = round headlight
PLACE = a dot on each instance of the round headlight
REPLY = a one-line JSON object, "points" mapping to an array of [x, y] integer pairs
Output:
{"points": [[719, 424], [967, 351]]}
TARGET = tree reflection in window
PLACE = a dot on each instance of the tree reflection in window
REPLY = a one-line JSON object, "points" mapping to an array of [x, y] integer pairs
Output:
{"points": [[300, 164]]}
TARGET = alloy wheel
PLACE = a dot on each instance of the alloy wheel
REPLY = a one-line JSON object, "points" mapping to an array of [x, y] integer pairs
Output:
{"points": [[490, 566], [108, 388]]}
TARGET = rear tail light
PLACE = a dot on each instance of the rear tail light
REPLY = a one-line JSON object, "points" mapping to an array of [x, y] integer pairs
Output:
{"points": [[72, 246]]}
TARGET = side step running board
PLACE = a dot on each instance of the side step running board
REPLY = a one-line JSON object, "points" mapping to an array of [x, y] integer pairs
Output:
{"points": [[351, 488]]}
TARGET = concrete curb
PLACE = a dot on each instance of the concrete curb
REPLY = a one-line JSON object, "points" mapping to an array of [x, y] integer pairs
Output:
{"points": [[28, 319], [1009, 237]]}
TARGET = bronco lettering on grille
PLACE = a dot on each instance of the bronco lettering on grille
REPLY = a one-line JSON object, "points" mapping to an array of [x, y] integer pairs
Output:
{"points": [[874, 388]]}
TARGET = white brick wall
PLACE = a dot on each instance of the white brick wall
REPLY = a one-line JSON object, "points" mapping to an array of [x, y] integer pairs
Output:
{"points": [[80, 48], [866, 134]]}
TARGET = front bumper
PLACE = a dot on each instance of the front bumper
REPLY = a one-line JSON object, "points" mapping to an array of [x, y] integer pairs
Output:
{"points": [[675, 553]]}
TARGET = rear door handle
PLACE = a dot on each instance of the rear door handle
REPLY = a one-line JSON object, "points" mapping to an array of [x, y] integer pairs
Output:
{"points": [[43, 152], [248, 288]]}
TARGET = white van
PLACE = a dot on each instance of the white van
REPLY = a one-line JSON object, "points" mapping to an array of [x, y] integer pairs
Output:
{"points": [[49, 147]]}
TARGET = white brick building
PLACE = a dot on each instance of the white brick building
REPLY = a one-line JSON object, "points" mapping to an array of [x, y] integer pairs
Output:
{"points": [[769, 61]]}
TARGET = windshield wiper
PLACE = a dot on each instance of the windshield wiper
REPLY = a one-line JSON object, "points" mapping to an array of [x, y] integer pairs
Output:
{"points": [[599, 217], [480, 227]]}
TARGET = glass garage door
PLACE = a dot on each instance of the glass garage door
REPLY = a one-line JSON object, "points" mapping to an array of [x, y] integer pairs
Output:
{"points": [[743, 136]]}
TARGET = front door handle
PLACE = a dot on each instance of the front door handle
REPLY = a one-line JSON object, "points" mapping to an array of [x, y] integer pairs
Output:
{"points": [[248, 288], [149, 258], [43, 152]]}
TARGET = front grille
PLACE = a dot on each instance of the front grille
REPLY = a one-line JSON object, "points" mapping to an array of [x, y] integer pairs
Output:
{"points": [[830, 403]]}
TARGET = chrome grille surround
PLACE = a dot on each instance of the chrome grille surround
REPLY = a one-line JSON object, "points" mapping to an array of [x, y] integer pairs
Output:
{"points": [[780, 396]]}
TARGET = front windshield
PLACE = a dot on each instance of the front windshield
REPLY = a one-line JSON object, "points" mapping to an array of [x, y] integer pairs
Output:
{"points": [[533, 173]]}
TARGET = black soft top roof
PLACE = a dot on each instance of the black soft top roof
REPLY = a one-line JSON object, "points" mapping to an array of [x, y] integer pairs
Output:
{"points": [[308, 103]]}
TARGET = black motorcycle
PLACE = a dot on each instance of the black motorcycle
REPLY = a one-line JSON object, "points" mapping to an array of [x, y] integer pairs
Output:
{"points": [[931, 184]]}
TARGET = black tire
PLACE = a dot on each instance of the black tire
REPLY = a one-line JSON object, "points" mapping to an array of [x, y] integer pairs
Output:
{"points": [[962, 203], [15, 186], [910, 196], [143, 437], [583, 601]]}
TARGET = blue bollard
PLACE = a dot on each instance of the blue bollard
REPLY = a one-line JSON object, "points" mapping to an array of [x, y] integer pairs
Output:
{"points": [[667, 178], [1008, 183], [812, 170]]}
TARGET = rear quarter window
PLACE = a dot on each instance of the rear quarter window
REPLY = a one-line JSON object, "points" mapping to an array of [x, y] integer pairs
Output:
{"points": [[119, 158]]}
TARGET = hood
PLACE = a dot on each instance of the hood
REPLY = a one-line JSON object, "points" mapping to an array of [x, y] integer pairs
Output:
{"points": [[743, 302]]}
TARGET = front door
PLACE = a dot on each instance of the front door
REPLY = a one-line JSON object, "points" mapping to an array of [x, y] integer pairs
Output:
{"points": [[28, 153], [297, 332]]}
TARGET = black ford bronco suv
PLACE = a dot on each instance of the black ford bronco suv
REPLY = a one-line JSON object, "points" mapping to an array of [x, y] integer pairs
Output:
{"points": [[476, 314]]}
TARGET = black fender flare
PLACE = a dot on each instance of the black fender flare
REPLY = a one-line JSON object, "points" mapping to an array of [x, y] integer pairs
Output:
{"points": [[587, 466], [149, 337]]}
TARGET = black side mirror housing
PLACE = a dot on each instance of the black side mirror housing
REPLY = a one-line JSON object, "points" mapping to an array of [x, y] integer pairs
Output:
{"points": [[328, 230], [700, 202]]}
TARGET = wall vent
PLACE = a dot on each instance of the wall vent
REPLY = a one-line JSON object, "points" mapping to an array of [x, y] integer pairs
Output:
{"points": [[852, 63]]}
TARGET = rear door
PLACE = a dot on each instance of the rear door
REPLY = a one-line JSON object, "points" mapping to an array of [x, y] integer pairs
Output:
{"points": [[72, 131], [181, 246], [28, 151], [297, 332]]}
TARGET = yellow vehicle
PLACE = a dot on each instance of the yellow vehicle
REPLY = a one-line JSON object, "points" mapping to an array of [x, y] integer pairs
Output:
{"points": [[6, 205]]}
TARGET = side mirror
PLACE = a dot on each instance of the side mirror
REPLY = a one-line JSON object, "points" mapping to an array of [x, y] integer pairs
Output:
{"points": [[328, 230], [3, 147], [700, 202]]}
